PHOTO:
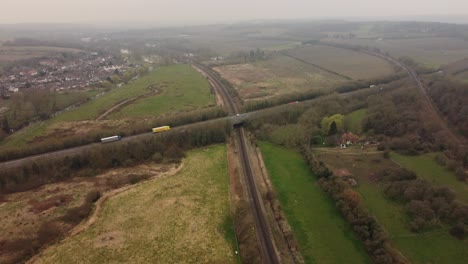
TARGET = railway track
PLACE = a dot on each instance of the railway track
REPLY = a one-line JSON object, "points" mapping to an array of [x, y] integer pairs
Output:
{"points": [[435, 111], [262, 227]]}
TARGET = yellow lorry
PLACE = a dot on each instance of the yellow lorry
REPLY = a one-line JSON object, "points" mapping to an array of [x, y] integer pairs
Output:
{"points": [[161, 129]]}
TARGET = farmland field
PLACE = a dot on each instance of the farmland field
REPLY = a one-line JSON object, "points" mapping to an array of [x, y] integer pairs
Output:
{"points": [[167, 220], [349, 63], [279, 75], [432, 52], [426, 167], [317, 225], [436, 246]]}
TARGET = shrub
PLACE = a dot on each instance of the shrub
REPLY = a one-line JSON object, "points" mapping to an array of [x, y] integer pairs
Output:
{"points": [[458, 231], [157, 157], [461, 174], [48, 232]]}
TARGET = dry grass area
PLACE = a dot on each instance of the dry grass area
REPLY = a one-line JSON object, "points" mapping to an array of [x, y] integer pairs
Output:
{"points": [[279, 75], [355, 65], [24, 214], [179, 219]]}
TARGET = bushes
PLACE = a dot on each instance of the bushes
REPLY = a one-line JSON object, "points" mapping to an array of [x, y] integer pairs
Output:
{"points": [[427, 206], [48, 232], [349, 203], [450, 97], [77, 214]]}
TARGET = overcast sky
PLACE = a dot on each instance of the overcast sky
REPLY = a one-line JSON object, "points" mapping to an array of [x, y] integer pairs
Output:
{"points": [[207, 11]]}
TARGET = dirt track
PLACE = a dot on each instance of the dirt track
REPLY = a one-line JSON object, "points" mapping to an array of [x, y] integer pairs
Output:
{"points": [[124, 103]]}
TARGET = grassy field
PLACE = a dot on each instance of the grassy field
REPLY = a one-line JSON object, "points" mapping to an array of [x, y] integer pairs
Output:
{"points": [[66, 99], [432, 52], [353, 64], [353, 120], [279, 75], [174, 81], [183, 89], [426, 167], [178, 219], [322, 233], [433, 247]]}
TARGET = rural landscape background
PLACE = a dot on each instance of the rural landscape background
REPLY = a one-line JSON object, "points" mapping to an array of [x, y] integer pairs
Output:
{"points": [[226, 134]]}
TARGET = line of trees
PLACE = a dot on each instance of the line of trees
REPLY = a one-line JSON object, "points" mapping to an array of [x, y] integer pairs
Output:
{"points": [[134, 128], [349, 203], [357, 85], [451, 98], [258, 104], [167, 146]]}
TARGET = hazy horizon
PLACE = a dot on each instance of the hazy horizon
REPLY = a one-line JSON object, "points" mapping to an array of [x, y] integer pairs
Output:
{"points": [[180, 12]]}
